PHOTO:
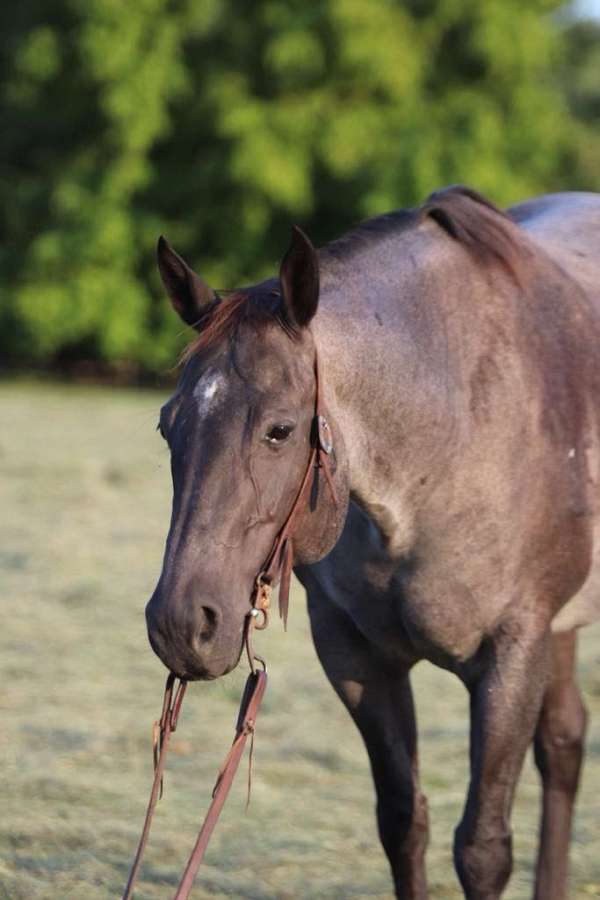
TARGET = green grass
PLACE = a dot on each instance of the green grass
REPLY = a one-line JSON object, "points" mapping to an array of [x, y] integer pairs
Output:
{"points": [[85, 495]]}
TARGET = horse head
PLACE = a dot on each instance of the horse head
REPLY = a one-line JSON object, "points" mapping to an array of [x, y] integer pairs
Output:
{"points": [[241, 431]]}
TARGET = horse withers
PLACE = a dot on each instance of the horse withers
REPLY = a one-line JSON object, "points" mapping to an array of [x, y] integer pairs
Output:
{"points": [[458, 352]]}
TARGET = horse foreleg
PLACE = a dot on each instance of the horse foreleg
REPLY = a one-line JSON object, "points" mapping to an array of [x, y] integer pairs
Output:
{"points": [[380, 702], [559, 742], [506, 698]]}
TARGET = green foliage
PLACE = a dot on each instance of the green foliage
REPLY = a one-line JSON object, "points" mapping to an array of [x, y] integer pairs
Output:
{"points": [[581, 77], [220, 123]]}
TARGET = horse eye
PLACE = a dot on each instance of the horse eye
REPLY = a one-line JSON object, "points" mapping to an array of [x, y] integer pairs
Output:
{"points": [[279, 433]]}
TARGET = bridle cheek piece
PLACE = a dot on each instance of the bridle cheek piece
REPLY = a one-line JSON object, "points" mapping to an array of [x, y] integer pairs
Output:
{"points": [[281, 558], [278, 567]]}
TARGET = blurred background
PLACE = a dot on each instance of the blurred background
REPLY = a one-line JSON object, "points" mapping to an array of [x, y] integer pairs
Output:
{"points": [[220, 123]]}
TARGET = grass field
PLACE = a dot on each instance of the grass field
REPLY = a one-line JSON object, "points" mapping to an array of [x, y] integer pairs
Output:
{"points": [[85, 495]]}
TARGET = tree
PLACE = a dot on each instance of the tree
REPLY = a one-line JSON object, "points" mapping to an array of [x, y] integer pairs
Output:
{"points": [[221, 122], [580, 77]]}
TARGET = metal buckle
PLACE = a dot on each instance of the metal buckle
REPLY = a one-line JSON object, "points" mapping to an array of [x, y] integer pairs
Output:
{"points": [[262, 603], [324, 435]]}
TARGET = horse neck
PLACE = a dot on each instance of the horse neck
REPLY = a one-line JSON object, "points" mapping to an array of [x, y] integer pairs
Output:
{"points": [[391, 358]]}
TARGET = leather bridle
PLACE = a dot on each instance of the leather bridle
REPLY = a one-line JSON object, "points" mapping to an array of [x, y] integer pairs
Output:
{"points": [[280, 560], [278, 567]]}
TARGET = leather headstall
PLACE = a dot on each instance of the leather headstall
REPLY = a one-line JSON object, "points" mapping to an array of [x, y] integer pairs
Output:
{"points": [[281, 558]]}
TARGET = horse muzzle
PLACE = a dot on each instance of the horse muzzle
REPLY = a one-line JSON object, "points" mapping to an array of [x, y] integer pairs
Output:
{"points": [[192, 639]]}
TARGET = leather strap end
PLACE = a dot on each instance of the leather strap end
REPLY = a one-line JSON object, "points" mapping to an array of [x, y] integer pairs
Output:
{"points": [[285, 580], [330, 483]]}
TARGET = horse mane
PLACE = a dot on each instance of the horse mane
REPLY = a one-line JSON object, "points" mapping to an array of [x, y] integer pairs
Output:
{"points": [[485, 230], [467, 216]]}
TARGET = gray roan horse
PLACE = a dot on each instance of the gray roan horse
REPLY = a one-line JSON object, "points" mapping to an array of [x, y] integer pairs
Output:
{"points": [[459, 351]]}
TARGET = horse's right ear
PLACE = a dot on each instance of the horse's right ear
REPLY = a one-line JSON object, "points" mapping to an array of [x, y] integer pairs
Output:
{"points": [[189, 295], [299, 279]]}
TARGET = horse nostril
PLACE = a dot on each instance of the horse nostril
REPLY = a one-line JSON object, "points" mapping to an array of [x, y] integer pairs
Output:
{"points": [[209, 625]]}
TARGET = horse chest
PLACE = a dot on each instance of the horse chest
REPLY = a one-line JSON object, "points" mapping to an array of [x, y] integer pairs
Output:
{"points": [[403, 610]]}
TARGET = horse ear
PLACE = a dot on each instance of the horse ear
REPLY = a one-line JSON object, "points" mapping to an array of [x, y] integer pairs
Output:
{"points": [[299, 278], [189, 295]]}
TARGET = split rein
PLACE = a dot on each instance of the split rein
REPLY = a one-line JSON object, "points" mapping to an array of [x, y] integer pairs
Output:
{"points": [[278, 566], [173, 698]]}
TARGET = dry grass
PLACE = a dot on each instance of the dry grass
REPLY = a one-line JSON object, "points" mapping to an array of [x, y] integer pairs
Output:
{"points": [[84, 493]]}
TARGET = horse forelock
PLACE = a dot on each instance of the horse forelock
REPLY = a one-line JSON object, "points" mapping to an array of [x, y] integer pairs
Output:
{"points": [[225, 316]]}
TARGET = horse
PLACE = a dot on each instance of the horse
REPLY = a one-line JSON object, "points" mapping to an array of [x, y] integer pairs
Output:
{"points": [[457, 350]]}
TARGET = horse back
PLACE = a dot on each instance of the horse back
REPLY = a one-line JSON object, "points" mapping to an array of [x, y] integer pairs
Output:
{"points": [[567, 227]]}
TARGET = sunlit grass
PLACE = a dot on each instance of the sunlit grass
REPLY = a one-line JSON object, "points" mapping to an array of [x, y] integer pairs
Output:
{"points": [[84, 494]]}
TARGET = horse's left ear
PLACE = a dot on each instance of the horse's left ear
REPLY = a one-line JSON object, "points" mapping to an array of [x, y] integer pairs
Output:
{"points": [[299, 278]]}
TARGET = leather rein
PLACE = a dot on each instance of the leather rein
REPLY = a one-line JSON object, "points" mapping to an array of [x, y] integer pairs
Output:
{"points": [[278, 566]]}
